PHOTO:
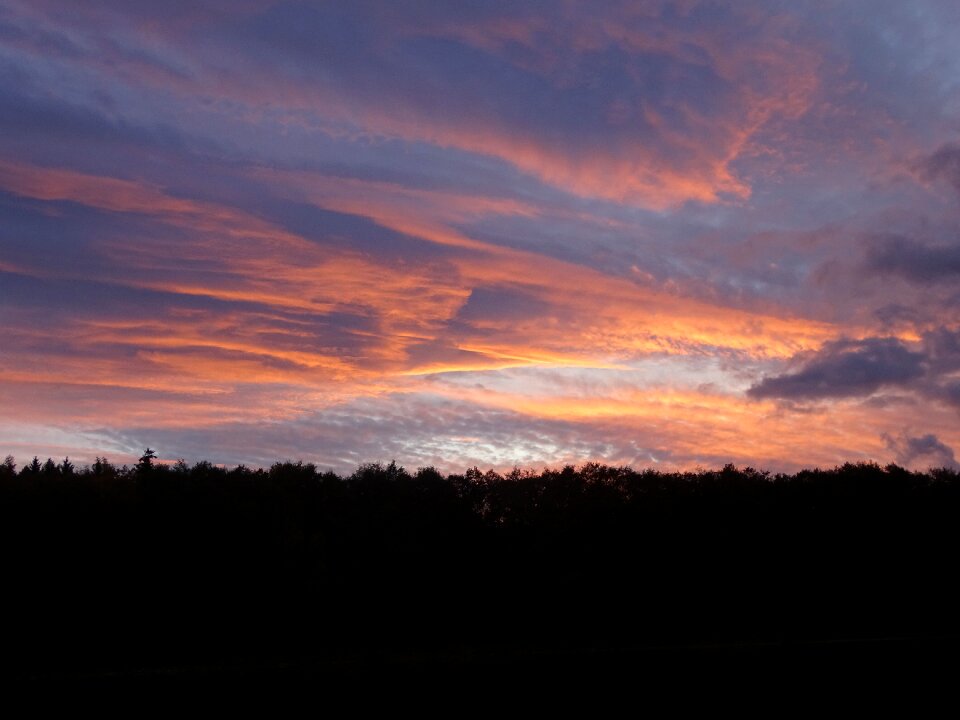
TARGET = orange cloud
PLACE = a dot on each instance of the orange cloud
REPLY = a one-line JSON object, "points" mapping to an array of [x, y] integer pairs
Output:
{"points": [[263, 355], [252, 261], [605, 315], [696, 426], [686, 152]]}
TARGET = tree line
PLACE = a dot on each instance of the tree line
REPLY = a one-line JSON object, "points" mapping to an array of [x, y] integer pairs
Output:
{"points": [[159, 563]]}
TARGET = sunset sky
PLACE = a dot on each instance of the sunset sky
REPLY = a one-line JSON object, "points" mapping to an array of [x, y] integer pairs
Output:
{"points": [[671, 234]]}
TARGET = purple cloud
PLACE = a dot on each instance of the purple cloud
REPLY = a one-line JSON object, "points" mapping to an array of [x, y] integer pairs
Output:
{"points": [[913, 260], [846, 368], [914, 451], [943, 164]]}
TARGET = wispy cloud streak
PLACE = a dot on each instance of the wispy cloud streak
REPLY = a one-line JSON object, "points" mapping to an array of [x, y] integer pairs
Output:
{"points": [[670, 233]]}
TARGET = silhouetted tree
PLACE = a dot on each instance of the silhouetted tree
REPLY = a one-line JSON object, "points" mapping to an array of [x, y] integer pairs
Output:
{"points": [[145, 464], [33, 469], [197, 563], [102, 467]]}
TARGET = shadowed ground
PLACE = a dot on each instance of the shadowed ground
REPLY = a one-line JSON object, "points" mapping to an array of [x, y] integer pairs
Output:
{"points": [[597, 576]]}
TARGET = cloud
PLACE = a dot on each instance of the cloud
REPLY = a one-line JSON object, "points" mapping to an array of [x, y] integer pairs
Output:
{"points": [[913, 260], [245, 229], [924, 368], [846, 368], [613, 97], [924, 451], [944, 164], [942, 347]]}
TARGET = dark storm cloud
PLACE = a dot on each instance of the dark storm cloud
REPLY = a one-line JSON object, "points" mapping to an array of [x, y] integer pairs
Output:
{"points": [[846, 368]]}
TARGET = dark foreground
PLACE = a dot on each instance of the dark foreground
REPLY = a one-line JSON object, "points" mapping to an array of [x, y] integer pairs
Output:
{"points": [[914, 675], [598, 576]]}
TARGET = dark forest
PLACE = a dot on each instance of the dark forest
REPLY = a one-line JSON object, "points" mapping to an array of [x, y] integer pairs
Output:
{"points": [[112, 569]]}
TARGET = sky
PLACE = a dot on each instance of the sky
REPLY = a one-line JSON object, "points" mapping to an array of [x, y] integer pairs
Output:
{"points": [[663, 234]]}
